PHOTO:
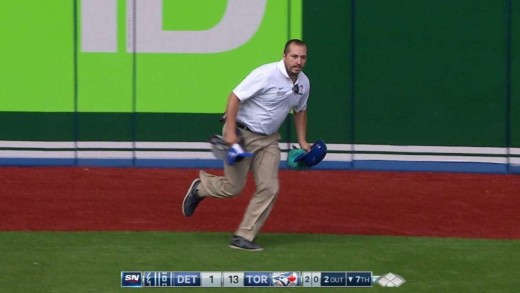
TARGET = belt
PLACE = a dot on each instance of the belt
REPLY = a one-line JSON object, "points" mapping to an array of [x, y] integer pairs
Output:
{"points": [[243, 126]]}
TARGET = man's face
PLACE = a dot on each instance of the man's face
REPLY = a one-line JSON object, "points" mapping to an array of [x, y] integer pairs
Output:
{"points": [[295, 59]]}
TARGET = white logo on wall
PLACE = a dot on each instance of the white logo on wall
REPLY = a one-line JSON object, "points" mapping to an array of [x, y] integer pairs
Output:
{"points": [[145, 34]]}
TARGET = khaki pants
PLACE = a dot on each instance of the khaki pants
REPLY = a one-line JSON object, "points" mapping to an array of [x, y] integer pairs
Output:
{"points": [[264, 166]]}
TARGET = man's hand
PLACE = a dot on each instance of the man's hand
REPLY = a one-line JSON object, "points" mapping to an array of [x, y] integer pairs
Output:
{"points": [[305, 146], [230, 137]]}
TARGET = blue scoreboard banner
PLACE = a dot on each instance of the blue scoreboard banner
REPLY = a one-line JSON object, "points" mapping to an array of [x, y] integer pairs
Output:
{"points": [[360, 279]]}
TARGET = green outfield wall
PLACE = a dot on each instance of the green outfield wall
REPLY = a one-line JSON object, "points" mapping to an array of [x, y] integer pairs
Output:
{"points": [[426, 85]]}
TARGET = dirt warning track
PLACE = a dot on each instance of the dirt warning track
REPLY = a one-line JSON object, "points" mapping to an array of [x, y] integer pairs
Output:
{"points": [[335, 202]]}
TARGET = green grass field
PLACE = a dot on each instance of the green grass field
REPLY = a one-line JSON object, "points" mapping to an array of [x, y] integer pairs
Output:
{"points": [[92, 261]]}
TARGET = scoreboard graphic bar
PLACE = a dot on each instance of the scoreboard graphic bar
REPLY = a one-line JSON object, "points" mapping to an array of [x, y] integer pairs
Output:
{"points": [[238, 279]]}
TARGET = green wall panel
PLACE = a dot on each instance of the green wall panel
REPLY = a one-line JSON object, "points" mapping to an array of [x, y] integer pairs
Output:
{"points": [[327, 31], [179, 14], [200, 83], [105, 126], [105, 79], [176, 127], [36, 55], [430, 72], [515, 77], [434, 73], [152, 127], [149, 127], [32, 126]]}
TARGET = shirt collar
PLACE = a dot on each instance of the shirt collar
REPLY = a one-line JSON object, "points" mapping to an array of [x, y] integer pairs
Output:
{"points": [[283, 70]]}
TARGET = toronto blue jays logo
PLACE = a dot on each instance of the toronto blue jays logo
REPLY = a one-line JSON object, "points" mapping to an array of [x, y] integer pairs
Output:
{"points": [[285, 279]]}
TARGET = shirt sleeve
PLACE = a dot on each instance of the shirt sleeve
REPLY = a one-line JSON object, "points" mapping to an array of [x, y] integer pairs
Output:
{"points": [[254, 83]]}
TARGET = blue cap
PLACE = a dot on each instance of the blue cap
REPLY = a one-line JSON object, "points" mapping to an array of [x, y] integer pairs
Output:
{"points": [[236, 154], [315, 155]]}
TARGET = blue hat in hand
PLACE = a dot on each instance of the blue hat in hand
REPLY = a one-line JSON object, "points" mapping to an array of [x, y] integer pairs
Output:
{"points": [[316, 154], [293, 159], [236, 154], [299, 159]]}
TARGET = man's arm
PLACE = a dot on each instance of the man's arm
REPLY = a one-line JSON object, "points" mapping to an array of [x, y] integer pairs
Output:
{"points": [[300, 121], [230, 135]]}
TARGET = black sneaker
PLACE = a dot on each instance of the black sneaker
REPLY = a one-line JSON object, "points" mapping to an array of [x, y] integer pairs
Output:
{"points": [[238, 242], [192, 199]]}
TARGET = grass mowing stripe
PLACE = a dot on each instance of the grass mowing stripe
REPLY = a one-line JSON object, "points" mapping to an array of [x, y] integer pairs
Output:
{"points": [[92, 261]]}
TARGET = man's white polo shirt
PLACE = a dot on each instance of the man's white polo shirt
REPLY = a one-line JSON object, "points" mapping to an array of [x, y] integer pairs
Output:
{"points": [[267, 96]]}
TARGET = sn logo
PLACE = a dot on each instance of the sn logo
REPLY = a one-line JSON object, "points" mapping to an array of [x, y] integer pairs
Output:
{"points": [[145, 34], [131, 279]]}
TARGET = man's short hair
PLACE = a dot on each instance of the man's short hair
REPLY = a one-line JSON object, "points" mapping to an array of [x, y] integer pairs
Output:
{"points": [[293, 41]]}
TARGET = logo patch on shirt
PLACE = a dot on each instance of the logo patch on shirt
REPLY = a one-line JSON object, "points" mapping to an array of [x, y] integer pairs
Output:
{"points": [[300, 90]]}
